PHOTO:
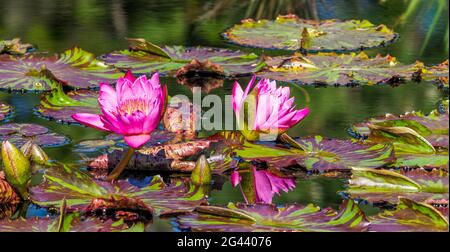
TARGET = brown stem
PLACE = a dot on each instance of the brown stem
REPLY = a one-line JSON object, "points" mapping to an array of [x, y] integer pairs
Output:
{"points": [[121, 166]]}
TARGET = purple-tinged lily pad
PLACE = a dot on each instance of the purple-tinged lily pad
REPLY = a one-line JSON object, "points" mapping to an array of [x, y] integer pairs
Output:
{"points": [[74, 67], [292, 33], [379, 186], [82, 192], [433, 127], [142, 61], [437, 73], [72, 222], [338, 69], [269, 218], [322, 155], [5, 111], [410, 216], [20, 133], [415, 160]]}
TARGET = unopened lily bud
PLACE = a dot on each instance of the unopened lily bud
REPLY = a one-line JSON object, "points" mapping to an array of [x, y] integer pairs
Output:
{"points": [[17, 168], [202, 172], [34, 153]]}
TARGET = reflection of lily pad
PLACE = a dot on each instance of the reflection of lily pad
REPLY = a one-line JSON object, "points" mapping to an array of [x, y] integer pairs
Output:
{"points": [[60, 107], [80, 191], [75, 67], [292, 33], [337, 69], [20, 133], [71, 223], [234, 63], [5, 111], [410, 216], [269, 218], [323, 155], [433, 127], [386, 186]]}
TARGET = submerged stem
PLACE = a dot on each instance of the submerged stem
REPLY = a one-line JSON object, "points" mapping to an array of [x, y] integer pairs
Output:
{"points": [[121, 166]]}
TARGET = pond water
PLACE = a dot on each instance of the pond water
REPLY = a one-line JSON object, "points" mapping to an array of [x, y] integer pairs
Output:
{"points": [[100, 26]]}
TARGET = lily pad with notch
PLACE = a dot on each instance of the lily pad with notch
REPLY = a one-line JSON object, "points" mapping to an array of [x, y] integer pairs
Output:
{"points": [[75, 67], [289, 32], [169, 59]]}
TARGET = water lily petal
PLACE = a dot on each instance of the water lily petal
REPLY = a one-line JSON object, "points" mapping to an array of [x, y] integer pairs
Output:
{"points": [[91, 120], [137, 141]]}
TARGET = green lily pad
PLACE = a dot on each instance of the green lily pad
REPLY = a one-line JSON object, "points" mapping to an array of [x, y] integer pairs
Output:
{"points": [[141, 61], [409, 216], [322, 155], [292, 33], [5, 111], [82, 192], [414, 160], [269, 218], [433, 127], [72, 222], [386, 185], [338, 69], [20, 133], [59, 106], [74, 67]]}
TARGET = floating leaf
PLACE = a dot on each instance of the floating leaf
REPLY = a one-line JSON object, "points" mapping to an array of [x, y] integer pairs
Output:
{"points": [[20, 133], [60, 107], [386, 185], [432, 127], [269, 218], [82, 191], [337, 69], [75, 67], [323, 155], [5, 111], [437, 73], [72, 223], [410, 216], [234, 63], [435, 160], [15, 46], [292, 33]]}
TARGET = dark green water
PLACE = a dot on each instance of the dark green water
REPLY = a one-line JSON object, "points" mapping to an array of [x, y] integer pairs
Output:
{"points": [[100, 26]]}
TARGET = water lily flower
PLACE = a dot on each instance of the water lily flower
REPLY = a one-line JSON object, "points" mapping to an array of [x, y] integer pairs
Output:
{"points": [[133, 109], [266, 184], [265, 110]]}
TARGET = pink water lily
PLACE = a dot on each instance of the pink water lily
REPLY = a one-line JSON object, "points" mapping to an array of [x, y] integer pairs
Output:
{"points": [[133, 109], [269, 109], [265, 183]]}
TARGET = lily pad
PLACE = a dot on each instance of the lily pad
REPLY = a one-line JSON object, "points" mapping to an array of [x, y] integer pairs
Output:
{"points": [[338, 69], [5, 111], [20, 133], [380, 186], [72, 222], [59, 106], [433, 127], [269, 218], [75, 68], [437, 73], [414, 160], [15, 46], [292, 33], [409, 216], [82, 192], [233, 63], [322, 155]]}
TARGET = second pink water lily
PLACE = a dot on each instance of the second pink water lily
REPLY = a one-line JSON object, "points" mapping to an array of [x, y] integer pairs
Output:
{"points": [[266, 109], [133, 109]]}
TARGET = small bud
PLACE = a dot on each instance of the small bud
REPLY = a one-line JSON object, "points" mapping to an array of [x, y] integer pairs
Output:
{"points": [[17, 168], [202, 172], [34, 153]]}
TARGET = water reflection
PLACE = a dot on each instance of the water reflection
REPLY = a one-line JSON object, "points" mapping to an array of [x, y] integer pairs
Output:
{"points": [[259, 185]]}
